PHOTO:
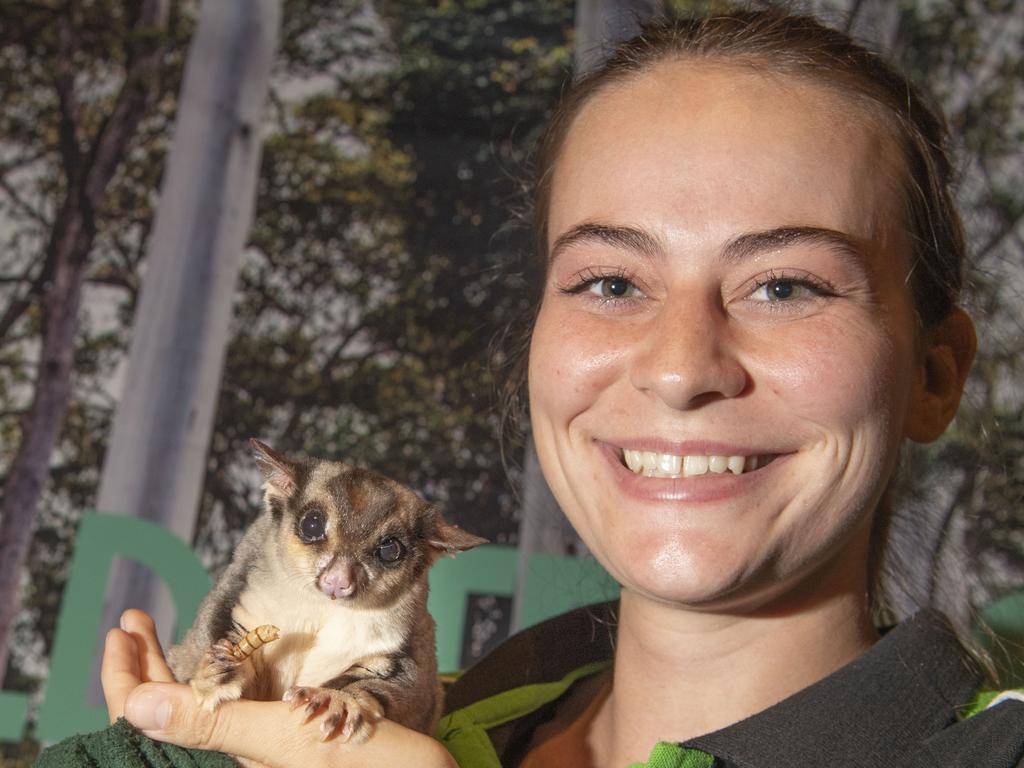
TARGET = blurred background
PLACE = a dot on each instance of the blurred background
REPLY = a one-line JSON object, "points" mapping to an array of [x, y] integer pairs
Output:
{"points": [[384, 256]]}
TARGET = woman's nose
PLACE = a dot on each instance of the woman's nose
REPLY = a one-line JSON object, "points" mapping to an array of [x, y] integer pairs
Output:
{"points": [[686, 357]]}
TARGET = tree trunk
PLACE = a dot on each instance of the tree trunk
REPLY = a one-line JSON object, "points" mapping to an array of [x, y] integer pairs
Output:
{"points": [[156, 456], [68, 250]]}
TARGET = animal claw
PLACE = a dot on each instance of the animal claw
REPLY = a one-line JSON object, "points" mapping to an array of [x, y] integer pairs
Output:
{"points": [[314, 705], [346, 716], [329, 726], [297, 696]]}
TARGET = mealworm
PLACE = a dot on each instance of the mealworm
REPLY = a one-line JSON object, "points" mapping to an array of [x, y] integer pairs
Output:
{"points": [[244, 648]]}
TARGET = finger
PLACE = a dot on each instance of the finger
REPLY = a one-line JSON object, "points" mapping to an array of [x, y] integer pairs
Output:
{"points": [[269, 733], [151, 655], [120, 671]]}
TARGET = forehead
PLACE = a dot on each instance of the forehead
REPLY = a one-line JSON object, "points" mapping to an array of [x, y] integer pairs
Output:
{"points": [[360, 497], [708, 150]]}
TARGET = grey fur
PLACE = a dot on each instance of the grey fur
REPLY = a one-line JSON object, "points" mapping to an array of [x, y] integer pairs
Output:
{"points": [[213, 619]]}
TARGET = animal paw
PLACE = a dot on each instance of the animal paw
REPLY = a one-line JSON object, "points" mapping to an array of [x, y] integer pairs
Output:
{"points": [[219, 678], [349, 714]]}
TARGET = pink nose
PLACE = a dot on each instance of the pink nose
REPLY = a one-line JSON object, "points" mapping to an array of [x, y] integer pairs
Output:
{"points": [[337, 581]]}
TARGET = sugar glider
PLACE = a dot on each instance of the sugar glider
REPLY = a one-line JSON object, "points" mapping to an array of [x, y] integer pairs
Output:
{"points": [[337, 563]]}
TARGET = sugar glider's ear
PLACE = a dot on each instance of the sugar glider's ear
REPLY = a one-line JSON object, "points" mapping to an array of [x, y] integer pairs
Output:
{"points": [[447, 539], [279, 472]]}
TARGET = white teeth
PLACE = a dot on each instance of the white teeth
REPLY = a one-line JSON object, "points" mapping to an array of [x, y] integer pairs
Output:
{"points": [[634, 460], [669, 464], [651, 464], [695, 465], [650, 460]]}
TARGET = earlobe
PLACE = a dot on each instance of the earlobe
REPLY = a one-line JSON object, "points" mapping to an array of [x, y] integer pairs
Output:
{"points": [[948, 352]]}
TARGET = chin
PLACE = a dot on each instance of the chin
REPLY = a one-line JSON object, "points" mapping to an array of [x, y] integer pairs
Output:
{"points": [[694, 573]]}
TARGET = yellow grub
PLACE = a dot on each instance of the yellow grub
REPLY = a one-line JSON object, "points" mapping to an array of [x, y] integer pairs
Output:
{"points": [[265, 633]]}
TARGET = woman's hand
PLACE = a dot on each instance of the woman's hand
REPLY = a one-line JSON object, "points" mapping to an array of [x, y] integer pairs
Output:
{"points": [[139, 686]]}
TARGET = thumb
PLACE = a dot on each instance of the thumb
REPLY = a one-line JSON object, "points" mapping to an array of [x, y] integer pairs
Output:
{"points": [[270, 732], [170, 712]]}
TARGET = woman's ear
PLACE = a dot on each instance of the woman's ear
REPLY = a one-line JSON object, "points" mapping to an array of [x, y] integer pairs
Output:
{"points": [[948, 352]]}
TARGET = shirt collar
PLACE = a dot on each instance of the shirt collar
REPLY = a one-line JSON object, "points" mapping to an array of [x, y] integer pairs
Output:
{"points": [[905, 688]]}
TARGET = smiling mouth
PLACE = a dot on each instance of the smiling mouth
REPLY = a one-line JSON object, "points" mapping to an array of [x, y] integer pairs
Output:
{"points": [[651, 464]]}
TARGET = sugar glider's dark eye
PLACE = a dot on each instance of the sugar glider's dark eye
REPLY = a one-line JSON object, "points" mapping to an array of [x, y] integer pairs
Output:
{"points": [[313, 525], [389, 550]]}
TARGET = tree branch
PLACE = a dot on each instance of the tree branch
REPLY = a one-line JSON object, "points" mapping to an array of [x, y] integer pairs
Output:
{"points": [[67, 102], [1008, 228], [19, 306], [22, 205], [113, 281], [23, 162], [129, 107]]}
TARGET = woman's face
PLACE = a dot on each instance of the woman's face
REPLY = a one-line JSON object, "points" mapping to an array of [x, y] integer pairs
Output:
{"points": [[726, 353]]}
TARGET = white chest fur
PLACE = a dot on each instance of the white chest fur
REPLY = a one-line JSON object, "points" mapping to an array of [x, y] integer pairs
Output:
{"points": [[320, 638]]}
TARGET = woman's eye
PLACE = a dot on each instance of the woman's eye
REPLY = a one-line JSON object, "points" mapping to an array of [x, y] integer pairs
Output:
{"points": [[613, 288], [389, 551], [313, 526], [784, 290]]}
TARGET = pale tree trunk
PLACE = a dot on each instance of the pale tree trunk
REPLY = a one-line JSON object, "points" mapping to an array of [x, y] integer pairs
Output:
{"points": [[88, 175], [156, 457], [878, 23]]}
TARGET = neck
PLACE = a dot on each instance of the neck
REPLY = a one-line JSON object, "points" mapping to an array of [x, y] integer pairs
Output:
{"points": [[691, 672]]}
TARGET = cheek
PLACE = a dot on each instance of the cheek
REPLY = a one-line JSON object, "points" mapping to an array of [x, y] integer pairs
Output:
{"points": [[841, 373], [305, 556], [572, 360]]}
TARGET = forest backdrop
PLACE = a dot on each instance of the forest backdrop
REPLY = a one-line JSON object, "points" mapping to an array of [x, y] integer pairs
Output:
{"points": [[384, 258]]}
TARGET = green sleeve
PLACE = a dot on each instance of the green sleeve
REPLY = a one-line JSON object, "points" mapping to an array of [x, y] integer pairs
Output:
{"points": [[122, 746]]}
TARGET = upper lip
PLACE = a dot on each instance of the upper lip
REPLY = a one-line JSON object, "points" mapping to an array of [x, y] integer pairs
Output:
{"points": [[689, 447]]}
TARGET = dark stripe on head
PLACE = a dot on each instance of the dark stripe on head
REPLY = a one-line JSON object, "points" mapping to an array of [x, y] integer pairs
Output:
{"points": [[276, 510]]}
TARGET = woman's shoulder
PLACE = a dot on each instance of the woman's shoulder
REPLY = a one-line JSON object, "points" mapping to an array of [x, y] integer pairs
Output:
{"points": [[910, 701], [544, 653], [493, 709]]}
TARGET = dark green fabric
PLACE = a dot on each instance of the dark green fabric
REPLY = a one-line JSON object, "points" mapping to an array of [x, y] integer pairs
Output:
{"points": [[122, 746]]}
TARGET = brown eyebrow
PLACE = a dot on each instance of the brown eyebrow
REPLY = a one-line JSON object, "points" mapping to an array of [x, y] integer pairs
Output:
{"points": [[741, 247], [628, 238], [752, 243]]}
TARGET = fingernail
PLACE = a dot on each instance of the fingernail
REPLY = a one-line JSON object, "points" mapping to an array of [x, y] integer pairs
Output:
{"points": [[148, 710], [122, 623]]}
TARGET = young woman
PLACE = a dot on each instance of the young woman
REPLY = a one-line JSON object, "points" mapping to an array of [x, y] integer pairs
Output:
{"points": [[748, 279]]}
